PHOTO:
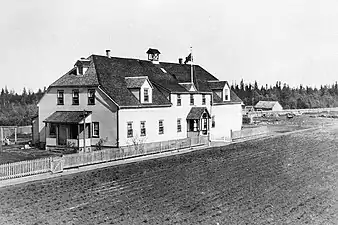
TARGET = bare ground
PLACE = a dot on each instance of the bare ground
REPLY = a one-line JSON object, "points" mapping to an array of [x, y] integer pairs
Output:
{"points": [[290, 179]]}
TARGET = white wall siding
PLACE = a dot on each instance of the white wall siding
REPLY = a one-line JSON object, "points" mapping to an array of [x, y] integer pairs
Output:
{"points": [[227, 117], [151, 116], [104, 111]]}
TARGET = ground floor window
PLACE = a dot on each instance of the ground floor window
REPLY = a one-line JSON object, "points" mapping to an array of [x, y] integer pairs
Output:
{"points": [[179, 125], [96, 129], [160, 127], [143, 128], [130, 129]]}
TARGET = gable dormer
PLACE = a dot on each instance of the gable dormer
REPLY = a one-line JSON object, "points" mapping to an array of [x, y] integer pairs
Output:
{"points": [[141, 88], [82, 66], [188, 86], [153, 55], [220, 90]]}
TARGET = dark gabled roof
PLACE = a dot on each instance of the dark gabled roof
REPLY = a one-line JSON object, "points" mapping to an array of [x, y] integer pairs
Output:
{"points": [[68, 117], [216, 85], [196, 113], [153, 51], [110, 74], [135, 82]]}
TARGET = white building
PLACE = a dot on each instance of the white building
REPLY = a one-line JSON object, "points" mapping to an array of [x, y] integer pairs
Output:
{"points": [[120, 99]]}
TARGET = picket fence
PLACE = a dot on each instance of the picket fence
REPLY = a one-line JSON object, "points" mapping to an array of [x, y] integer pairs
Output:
{"points": [[25, 168], [58, 164]]}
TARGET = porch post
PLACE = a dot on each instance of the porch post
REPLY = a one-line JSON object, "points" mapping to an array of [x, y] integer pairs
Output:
{"points": [[15, 134], [84, 131], [78, 136]]}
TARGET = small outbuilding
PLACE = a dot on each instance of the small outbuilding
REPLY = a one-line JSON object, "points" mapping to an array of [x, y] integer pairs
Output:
{"points": [[268, 106]]}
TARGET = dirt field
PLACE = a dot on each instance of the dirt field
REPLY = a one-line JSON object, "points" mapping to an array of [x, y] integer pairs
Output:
{"points": [[289, 179]]}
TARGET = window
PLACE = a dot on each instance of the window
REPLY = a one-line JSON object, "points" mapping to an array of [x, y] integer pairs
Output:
{"points": [[80, 70], [213, 121], [179, 126], [91, 96], [192, 99], [60, 97], [146, 95], [179, 101], [130, 129], [52, 130], [96, 129], [226, 95], [203, 99], [160, 127], [75, 97], [143, 128]]}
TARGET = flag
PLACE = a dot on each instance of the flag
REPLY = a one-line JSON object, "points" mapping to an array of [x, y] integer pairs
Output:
{"points": [[188, 59]]}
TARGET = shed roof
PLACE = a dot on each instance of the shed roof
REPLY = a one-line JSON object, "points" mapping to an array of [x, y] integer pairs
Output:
{"points": [[68, 117]]}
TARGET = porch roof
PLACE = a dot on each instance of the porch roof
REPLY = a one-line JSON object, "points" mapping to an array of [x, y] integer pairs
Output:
{"points": [[68, 117], [197, 112]]}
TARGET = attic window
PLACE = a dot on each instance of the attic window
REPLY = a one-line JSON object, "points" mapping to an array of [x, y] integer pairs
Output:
{"points": [[80, 70]]}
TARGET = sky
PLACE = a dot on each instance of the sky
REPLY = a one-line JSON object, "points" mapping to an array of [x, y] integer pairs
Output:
{"points": [[292, 41]]}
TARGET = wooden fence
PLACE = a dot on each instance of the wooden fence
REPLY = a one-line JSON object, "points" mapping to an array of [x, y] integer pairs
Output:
{"points": [[25, 168], [249, 132], [75, 160], [58, 164]]}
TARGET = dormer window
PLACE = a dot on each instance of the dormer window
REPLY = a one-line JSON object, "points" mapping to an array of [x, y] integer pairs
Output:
{"points": [[226, 94], [146, 95], [81, 66], [141, 88]]}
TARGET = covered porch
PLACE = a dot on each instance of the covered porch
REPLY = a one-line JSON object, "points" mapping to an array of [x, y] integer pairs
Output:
{"points": [[198, 121], [69, 129]]}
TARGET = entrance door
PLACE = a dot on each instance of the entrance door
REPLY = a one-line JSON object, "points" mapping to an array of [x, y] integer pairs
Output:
{"points": [[62, 135]]}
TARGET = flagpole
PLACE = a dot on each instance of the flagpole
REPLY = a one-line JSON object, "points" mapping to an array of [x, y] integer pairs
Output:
{"points": [[192, 69]]}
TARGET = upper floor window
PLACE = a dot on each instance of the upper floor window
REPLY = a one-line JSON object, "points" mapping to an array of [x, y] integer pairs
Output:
{"points": [[213, 124], [91, 96], [192, 102], [146, 95], [96, 129], [75, 97], [130, 129], [60, 97], [143, 128], [203, 99], [179, 125], [226, 95], [160, 127], [179, 100]]}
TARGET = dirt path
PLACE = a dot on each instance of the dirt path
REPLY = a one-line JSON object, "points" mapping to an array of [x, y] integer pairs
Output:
{"points": [[289, 179]]}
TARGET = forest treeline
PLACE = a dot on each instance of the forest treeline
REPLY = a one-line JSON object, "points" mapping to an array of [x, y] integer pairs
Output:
{"points": [[290, 98], [18, 109]]}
